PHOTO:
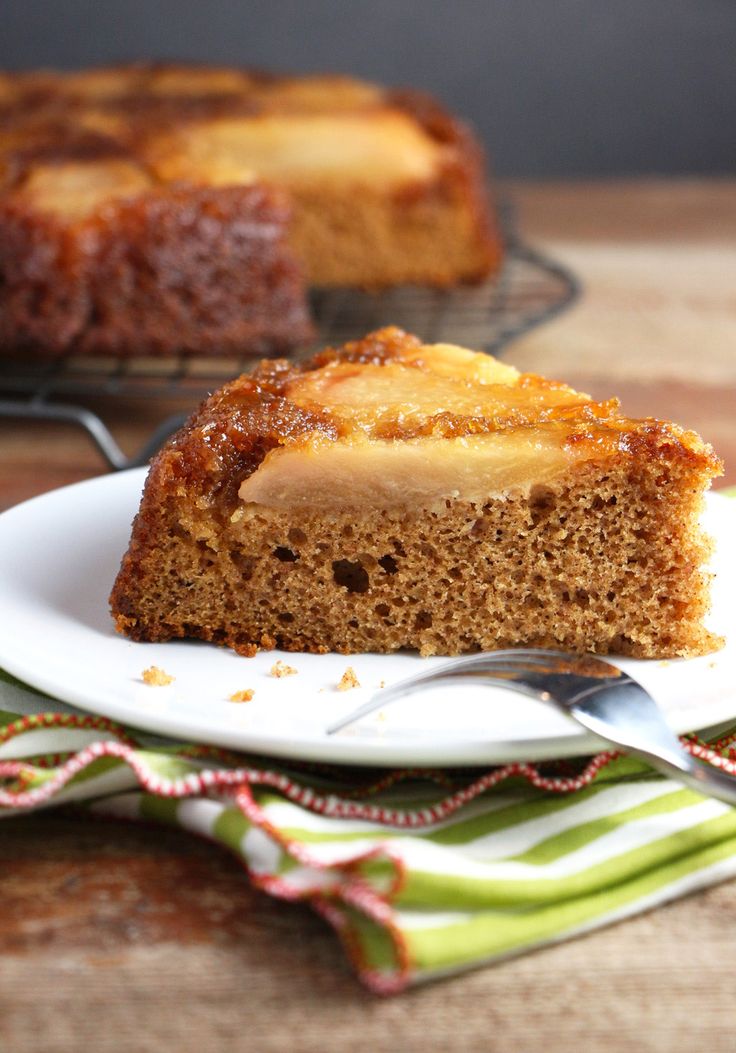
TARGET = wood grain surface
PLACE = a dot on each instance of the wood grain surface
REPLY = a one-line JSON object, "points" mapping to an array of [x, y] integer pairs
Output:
{"points": [[118, 937]]}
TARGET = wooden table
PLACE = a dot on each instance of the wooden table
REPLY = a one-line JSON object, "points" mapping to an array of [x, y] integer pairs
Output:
{"points": [[120, 938]]}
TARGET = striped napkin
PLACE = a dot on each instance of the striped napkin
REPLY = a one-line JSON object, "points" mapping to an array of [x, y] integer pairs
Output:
{"points": [[421, 873]]}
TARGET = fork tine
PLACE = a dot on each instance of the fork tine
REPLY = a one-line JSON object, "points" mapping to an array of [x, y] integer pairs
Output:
{"points": [[370, 706], [493, 663], [586, 664], [411, 687], [458, 670], [402, 690], [539, 660]]}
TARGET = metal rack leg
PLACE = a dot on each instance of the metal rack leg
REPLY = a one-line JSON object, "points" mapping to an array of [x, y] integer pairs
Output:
{"points": [[95, 428]]}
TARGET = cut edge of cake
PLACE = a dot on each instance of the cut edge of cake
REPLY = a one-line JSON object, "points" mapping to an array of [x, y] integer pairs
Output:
{"points": [[594, 544]]}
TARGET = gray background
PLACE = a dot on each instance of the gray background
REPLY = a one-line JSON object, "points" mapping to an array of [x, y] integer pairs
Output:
{"points": [[555, 87]]}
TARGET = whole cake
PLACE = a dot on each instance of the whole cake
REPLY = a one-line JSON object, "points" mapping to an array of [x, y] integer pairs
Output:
{"points": [[391, 494], [159, 209]]}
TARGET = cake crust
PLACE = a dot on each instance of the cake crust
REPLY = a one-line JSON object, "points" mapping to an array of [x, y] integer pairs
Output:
{"points": [[603, 553]]}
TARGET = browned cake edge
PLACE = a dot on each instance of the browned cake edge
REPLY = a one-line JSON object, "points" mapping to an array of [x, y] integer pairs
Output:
{"points": [[187, 270], [607, 558]]}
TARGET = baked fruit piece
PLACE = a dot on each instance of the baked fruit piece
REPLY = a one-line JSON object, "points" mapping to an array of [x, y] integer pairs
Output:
{"points": [[135, 215], [395, 495]]}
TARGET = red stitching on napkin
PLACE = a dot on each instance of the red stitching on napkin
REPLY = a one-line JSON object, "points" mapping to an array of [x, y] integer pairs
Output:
{"points": [[354, 892]]}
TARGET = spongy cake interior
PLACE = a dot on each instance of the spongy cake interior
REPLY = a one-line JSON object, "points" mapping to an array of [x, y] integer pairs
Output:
{"points": [[594, 544]]}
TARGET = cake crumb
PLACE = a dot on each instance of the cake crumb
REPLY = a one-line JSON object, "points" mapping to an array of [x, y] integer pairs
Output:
{"points": [[349, 680], [155, 677], [382, 683], [279, 669], [242, 696], [712, 665]]}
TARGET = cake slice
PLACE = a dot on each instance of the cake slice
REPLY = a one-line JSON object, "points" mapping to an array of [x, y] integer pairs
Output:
{"points": [[391, 495], [164, 209]]}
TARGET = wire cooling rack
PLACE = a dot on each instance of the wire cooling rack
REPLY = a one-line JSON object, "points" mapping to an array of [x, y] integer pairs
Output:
{"points": [[529, 290]]}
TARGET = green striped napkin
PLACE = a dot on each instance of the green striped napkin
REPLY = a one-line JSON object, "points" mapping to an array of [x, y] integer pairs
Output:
{"points": [[422, 873]]}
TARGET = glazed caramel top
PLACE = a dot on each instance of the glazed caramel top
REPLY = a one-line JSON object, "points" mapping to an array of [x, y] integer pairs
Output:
{"points": [[125, 129], [389, 420]]}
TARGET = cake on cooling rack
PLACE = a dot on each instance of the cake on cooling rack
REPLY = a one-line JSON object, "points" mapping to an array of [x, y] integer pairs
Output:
{"points": [[390, 494], [134, 214]]}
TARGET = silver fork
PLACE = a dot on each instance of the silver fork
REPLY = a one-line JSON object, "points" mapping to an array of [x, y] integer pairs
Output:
{"points": [[598, 695]]}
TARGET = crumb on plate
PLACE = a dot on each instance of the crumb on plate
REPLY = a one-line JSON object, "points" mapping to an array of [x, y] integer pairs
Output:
{"points": [[155, 677], [242, 696], [349, 680], [279, 669]]}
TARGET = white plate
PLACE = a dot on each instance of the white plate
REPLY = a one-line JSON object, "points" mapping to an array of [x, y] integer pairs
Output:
{"points": [[59, 554]]}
